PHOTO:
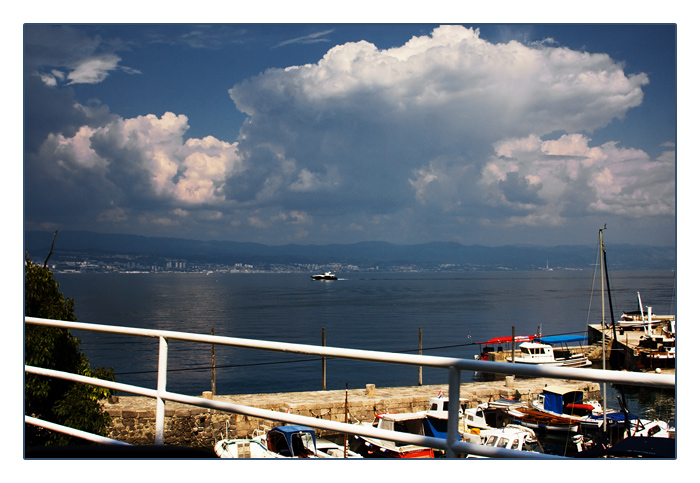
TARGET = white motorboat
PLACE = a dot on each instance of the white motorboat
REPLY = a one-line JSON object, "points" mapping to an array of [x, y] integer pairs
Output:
{"points": [[542, 352], [490, 415], [280, 442], [328, 449], [513, 436], [325, 276], [403, 422], [255, 447], [243, 448]]}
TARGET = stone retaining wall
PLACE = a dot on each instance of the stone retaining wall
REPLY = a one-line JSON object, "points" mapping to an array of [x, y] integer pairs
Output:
{"points": [[133, 418]]}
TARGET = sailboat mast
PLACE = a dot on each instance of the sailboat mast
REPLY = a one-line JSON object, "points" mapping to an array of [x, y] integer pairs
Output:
{"points": [[602, 324]]}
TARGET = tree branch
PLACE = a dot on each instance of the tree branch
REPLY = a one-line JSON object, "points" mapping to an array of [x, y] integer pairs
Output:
{"points": [[46, 262]]}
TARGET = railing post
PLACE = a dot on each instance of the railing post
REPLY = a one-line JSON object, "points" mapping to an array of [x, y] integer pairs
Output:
{"points": [[213, 366], [453, 412], [420, 353], [323, 360], [162, 380]]}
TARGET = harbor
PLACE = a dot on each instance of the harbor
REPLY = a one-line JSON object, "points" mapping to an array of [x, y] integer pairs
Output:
{"points": [[133, 418]]}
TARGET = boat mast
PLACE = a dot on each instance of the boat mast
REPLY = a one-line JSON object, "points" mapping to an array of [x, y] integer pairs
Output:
{"points": [[602, 325]]}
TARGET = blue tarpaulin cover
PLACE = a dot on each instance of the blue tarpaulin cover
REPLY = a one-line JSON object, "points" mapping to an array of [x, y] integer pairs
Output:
{"points": [[562, 339], [618, 416]]}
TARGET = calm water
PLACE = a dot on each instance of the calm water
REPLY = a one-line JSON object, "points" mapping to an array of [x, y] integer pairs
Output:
{"points": [[377, 311]]}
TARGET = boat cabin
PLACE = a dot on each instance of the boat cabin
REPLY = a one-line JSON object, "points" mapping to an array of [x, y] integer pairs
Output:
{"points": [[535, 352], [404, 422], [490, 415], [542, 350], [513, 437], [292, 441], [563, 400], [439, 406], [435, 422]]}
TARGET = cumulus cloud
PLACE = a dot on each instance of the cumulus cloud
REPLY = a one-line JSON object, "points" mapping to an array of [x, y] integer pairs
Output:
{"points": [[137, 165], [568, 177], [448, 132], [416, 126]]}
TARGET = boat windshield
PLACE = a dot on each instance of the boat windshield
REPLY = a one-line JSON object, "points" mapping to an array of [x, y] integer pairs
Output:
{"points": [[532, 446], [303, 444]]}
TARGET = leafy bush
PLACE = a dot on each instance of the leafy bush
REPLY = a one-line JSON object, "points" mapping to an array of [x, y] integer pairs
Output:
{"points": [[71, 404]]}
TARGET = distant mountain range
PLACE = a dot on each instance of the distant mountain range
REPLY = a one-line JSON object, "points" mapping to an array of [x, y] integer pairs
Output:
{"points": [[73, 244]]}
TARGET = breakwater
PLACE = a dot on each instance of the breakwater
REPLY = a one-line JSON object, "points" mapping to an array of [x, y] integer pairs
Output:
{"points": [[133, 417]]}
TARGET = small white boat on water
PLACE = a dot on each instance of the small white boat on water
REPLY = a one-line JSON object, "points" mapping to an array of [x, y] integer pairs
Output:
{"points": [[325, 276], [541, 351]]}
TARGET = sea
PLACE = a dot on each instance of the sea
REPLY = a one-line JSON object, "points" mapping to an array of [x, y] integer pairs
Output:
{"points": [[452, 312]]}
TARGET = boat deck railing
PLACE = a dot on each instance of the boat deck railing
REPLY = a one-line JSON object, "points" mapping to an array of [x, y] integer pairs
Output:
{"points": [[452, 445]]}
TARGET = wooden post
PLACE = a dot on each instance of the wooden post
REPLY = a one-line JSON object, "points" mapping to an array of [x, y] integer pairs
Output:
{"points": [[323, 359], [420, 353], [345, 440], [213, 367]]}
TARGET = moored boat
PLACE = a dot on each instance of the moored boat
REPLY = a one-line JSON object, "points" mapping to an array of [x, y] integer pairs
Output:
{"points": [[403, 422], [435, 422], [490, 415], [281, 442], [635, 319], [657, 347], [536, 419], [541, 351], [328, 449], [254, 448], [557, 408], [490, 345], [292, 441], [513, 436]]}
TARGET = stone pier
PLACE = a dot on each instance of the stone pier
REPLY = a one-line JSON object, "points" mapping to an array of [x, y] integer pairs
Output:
{"points": [[133, 418]]}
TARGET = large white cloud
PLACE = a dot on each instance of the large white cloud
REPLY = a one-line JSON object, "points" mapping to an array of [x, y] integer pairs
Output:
{"points": [[568, 177], [447, 132], [139, 159], [415, 128]]}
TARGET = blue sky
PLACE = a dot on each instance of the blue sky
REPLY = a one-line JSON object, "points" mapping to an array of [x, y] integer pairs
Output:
{"points": [[337, 133]]}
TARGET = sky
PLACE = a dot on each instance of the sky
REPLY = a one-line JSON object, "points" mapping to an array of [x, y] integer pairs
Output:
{"points": [[315, 133]]}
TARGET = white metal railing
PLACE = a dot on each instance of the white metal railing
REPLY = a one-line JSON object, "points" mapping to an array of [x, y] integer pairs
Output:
{"points": [[452, 446]]}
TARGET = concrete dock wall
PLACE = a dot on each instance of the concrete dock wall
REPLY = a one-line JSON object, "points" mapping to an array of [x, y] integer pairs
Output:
{"points": [[133, 418]]}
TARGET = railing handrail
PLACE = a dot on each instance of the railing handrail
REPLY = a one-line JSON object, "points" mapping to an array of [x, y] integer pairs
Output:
{"points": [[452, 445], [268, 414], [580, 374]]}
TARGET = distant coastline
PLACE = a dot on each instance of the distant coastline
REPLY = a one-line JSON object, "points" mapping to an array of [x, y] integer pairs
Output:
{"points": [[83, 251]]}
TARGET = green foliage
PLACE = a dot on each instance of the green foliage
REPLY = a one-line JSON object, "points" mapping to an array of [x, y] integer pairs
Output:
{"points": [[68, 403]]}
